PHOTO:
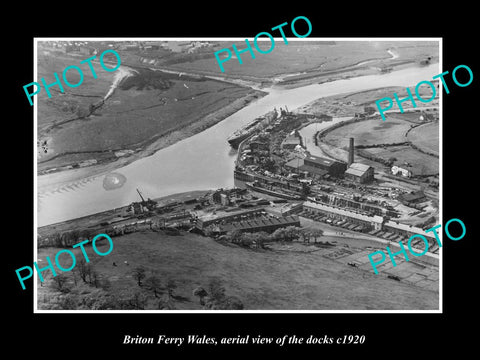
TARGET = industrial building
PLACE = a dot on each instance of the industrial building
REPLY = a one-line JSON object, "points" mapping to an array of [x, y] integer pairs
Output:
{"points": [[264, 223], [360, 173], [206, 219], [412, 198], [366, 222], [322, 166], [291, 142]]}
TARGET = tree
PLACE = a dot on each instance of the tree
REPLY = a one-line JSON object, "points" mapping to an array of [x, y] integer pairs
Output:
{"points": [[56, 240], [65, 238], [154, 284], [67, 302], [165, 303], [94, 278], [139, 274], [85, 234], [291, 233], [216, 290], [74, 235], [137, 301], [235, 236], [171, 286], [278, 234], [391, 161], [246, 239], [201, 293], [60, 282], [231, 303], [83, 269], [317, 233], [259, 238]]}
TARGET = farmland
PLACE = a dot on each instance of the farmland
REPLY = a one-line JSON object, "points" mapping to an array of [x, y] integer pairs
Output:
{"points": [[261, 279], [369, 132], [305, 58], [426, 137], [153, 103]]}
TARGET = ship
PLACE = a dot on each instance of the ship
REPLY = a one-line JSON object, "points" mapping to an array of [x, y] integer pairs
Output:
{"points": [[257, 124]]}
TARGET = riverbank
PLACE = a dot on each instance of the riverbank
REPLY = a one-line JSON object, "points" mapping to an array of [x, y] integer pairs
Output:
{"points": [[85, 222], [320, 77], [58, 179]]}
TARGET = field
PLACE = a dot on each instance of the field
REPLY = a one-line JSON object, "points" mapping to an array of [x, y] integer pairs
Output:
{"points": [[398, 128], [151, 103], [261, 279], [306, 56], [420, 163], [426, 137], [369, 132], [351, 103]]}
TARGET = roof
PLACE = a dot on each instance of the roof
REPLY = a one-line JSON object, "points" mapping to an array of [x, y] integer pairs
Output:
{"points": [[409, 228], [294, 163], [259, 223], [320, 160], [416, 195], [338, 211], [359, 166], [291, 141], [312, 170], [220, 214]]}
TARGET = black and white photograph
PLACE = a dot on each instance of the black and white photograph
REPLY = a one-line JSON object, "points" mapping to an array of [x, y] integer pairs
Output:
{"points": [[276, 184], [213, 179]]}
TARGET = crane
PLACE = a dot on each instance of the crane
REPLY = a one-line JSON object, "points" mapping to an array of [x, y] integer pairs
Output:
{"points": [[139, 193], [149, 203]]}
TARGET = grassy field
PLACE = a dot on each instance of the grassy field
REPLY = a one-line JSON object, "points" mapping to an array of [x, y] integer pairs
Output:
{"points": [[261, 279], [349, 104], [426, 137], [152, 103], [74, 101], [301, 56], [369, 132], [420, 163]]}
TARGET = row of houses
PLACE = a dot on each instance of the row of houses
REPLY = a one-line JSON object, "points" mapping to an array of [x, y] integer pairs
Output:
{"points": [[374, 224]]}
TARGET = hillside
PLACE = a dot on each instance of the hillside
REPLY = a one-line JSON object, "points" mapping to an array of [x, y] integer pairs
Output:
{"points": [[260, 279]]}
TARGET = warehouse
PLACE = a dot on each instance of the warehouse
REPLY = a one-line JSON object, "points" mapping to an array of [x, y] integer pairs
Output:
{"points": [[360, 173], [264, 223], [332, 167], [412, 198], [206, 218]]}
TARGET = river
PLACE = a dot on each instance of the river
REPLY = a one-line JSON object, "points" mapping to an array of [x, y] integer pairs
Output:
{"points": [[205, 160]]}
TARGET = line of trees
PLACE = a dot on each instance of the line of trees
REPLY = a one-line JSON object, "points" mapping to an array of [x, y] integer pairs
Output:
{"points": [[215, 298], [258, 239], [164, 290]]}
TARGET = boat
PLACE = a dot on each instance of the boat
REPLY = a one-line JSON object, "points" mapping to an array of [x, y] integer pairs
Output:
{"points": [[245, 131]]}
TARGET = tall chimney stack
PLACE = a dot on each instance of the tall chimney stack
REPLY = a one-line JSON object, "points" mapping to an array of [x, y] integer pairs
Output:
{"points": [[351, 150]]}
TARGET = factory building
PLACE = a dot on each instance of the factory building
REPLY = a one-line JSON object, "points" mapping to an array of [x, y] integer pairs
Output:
{"points": [[367, 222], [291, 141], [265, 223], [412, 198], [322, 166], [205, 219], [360, 173]]}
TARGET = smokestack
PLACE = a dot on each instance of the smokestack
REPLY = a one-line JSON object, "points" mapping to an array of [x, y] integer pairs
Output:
{"points": [[351, 150]]}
